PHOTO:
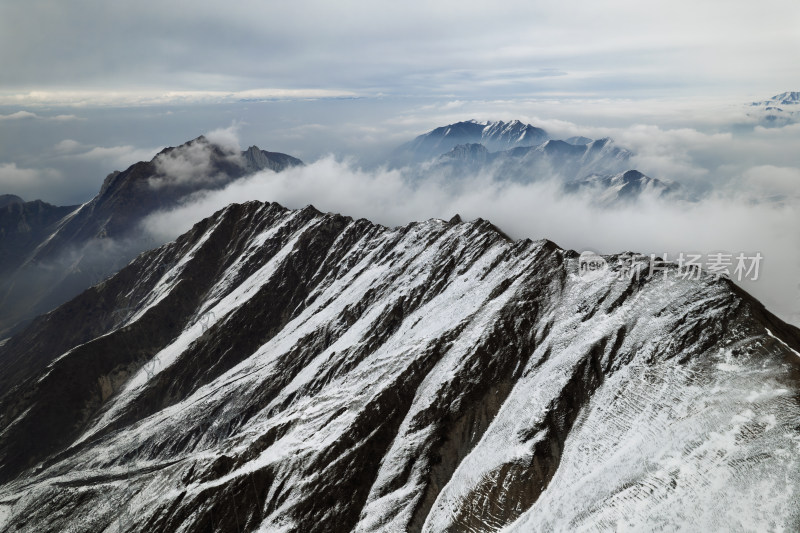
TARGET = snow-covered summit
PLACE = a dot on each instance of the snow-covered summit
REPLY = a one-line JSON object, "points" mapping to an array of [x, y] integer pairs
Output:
{"points": [[785, 98], [780, 110], [494, 135]]}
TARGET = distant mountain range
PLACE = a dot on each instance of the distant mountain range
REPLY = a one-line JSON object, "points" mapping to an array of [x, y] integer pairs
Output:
{"points": [[520, 152], [49, 254], [494, 136], [552, 158]]}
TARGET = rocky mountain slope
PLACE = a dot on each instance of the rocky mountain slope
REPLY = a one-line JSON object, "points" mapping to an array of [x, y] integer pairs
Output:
{"points": [[51, 254], [289, 370], [495, 136], [610, 190], [518, 152], [23, 226], [551, 159], [8, 199]]}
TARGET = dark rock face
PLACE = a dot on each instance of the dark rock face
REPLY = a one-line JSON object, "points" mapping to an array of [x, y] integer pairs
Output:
{"points": [[257, 159], [54, 253], [8, 199], [288, 370], [23, 226]]}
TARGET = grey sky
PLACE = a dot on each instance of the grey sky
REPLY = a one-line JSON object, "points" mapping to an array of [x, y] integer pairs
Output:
{"points": [[129, 52]]}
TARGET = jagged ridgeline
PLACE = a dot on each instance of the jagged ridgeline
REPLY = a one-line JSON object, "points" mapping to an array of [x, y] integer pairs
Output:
{"points": [[288, 370], [50, 254]]}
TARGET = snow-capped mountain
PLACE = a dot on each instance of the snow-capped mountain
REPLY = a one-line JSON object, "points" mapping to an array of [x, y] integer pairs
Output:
{"points": [[493, 135], [787, 98], [289, 370], [518, 152], [780, 110], [505, 135], [257, 159], [50, 254], [609, 190], [551, 159]]}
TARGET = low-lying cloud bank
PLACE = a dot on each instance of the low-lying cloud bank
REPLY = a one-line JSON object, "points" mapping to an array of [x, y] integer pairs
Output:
{"points": [[724, 221]]}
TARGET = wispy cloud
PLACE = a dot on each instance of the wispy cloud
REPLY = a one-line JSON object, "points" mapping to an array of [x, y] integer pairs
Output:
{"points": [[28, 182], [27, 115], [720, 222], [197, 162], [91, 98], [117, 157], [318, 49]]}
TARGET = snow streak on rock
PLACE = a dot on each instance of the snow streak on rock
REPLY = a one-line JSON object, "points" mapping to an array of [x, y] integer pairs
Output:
{"points": [[278, 370]]}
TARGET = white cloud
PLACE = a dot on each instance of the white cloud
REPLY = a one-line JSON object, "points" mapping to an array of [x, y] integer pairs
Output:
{"points": [[227, 138], [537, 210], [68, 146], [94, 98], [768, 180], [23, 115], [19, 115], [118, 157], [121, 156], [28, 182], [195, 162]]}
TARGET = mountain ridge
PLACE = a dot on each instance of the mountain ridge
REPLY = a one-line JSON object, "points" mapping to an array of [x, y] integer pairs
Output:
{"points": [[296, 370], [93, 240], [495, 135]]}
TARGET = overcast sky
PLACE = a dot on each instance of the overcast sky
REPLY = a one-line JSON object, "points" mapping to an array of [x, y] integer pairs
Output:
{"points": [[129, 52]]}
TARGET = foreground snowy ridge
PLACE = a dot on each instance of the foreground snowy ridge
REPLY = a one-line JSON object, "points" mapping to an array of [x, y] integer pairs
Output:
{"points": [[280, 370]]}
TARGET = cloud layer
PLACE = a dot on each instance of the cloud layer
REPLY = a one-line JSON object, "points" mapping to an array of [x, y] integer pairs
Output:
{"points": [[722, 223], [94, 51], [27, 115]]}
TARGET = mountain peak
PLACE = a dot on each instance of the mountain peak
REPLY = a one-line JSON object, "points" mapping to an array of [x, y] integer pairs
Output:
{"points": [[784, 98], [406, 373], [8, 199], [632, 175], [257, 159], [780, 110], [787, 98], [125, 199], [494, 135]]}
